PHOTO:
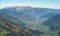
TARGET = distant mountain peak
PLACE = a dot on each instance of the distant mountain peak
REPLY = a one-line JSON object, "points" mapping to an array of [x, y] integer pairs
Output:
{"points": [[18, 8]]}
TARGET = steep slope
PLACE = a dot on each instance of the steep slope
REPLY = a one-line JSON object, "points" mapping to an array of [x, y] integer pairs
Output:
{"points": [[54, 23], [14, 27]]}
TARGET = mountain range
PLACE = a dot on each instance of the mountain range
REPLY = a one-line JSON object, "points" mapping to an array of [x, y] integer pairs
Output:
{"points": [[30, 18]]}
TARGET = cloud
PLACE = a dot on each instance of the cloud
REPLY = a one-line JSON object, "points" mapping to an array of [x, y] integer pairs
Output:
{"points": [[47, 6], [33, 4]]}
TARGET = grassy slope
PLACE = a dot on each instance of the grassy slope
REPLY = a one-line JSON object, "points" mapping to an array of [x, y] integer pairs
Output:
{"points": [[42, 28]]}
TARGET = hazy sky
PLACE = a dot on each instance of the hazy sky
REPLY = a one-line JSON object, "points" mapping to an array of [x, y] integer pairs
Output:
{"points": [[35, 3]]}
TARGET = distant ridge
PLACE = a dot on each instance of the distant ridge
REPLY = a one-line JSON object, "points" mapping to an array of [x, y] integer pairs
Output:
{"points": [[29, 7]]}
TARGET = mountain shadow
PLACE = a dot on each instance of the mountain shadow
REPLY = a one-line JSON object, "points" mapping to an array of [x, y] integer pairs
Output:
{"points": [[54, 23]]}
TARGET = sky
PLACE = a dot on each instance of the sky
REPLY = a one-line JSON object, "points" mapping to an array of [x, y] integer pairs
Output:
{"points": [[55, 4]]}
